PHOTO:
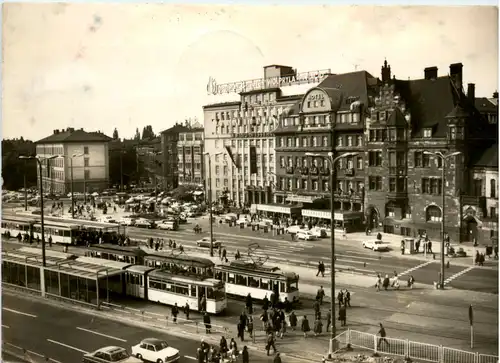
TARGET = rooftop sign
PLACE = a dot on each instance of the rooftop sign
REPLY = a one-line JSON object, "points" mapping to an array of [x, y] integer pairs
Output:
{"points": [[265, 83]]}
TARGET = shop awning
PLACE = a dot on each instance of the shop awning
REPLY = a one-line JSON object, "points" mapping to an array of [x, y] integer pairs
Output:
{"points": [[325, 214], [301, 198], [284, 209]]}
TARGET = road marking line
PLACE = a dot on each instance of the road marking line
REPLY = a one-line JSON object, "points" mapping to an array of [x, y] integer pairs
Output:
{"points": [[5, 326], [19, 312], [458, 274], [67, 346], [189, 357], [101, 334], [415, 268]]}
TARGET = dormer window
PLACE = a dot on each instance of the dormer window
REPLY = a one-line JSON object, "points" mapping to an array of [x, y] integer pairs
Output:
{"points": [[427, 133], [382, 116]]}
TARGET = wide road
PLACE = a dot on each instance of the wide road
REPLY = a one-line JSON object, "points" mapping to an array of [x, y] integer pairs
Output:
{"points": [[65, 335]]}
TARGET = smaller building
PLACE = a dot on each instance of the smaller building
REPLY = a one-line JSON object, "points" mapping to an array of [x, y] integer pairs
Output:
{"points": [[169, 157], [190, 156], [84, 160]]}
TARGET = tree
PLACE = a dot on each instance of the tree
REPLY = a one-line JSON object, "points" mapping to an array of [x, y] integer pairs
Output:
{"points": [[128, 155], [137, 136], [14, 169], [183, 193], [147, 133], [115, 134]]}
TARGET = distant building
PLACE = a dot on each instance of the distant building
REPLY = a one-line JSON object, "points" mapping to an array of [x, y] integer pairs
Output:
{"points": [[90, 159], [149, 158], [488, 107], [190, 156], [169, 157]]}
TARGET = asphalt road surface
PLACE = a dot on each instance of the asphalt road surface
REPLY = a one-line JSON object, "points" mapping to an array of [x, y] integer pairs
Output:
{"points": [[66, 335]]}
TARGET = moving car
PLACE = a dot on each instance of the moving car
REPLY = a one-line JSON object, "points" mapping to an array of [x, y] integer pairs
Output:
{"points": [[107, 219], [319, 232], [110, 354], [376, 245], [306, 235], [155, 350], [127, 221], [144, 223], [168, 225], [293, 229], [205, 242]]}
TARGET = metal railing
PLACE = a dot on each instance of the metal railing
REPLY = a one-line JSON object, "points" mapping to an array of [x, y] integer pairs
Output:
{"points": [[414, 350], [25, 354]]}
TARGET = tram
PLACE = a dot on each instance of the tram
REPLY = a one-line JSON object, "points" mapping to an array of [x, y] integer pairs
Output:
{"points": [[108, 251], [241, 278], [64, 233], [167, 287], [180, 263], [14, 224]]}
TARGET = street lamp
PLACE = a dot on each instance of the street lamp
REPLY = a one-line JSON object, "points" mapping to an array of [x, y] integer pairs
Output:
{"points": [[210, 200], [39, 161], [332, 161], [444, 158], [71, 171]]}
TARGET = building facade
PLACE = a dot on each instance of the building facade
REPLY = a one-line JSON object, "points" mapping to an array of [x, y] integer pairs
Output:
{"points": [[169, 155], [190, 150], [243, 128], [84, 158], [408, 122], [329, 119]]}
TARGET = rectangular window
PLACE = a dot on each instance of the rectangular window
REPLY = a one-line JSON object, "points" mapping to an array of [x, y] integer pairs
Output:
{"points": [[426, 160], [375, 183], [427, 133], [375, 158], [426, 186], [340, 141], [493, 212], [86, 174], [86, 162], [86, 150], [359, 140], [325, 140], [349, 140], [417, 159], [392, 184], [359, 163]]}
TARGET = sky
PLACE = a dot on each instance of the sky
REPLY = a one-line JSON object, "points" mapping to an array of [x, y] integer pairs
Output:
{"points": [[101, 66]]}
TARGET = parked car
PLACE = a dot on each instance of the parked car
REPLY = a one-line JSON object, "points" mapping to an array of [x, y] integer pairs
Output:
{"points": [[205, 242], [168, 225], [306, 235], [293, 229], [127, 221], [243, 220], [376, 245], [107, 219], [155, 350], [110, 354], [319, 232], [144, 223]]}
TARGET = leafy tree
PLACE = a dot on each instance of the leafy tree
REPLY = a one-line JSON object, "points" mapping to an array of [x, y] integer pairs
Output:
{"points": [[115, 134], [14, 169], [183, 193], [147, 133], [124, 153], [137, 134]]}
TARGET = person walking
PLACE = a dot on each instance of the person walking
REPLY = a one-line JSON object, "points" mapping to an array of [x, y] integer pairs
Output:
{"points": [[244, 355], [270, 343], [305, 326], [340, 298], [411, 281], [207, 322], [175, 312], [241, 330], [382, 336], [187, 310], [318, 327], [293, 320], [343, 315], [320, 295], [347, 298], [223, 346], [250, 326], [319, 268]]}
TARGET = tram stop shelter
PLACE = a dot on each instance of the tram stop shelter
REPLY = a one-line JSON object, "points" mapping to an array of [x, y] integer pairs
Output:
{"points": [[85, 279]]}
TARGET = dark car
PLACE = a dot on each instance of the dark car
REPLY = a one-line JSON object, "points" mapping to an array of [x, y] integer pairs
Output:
{"points": [[205, 242]]}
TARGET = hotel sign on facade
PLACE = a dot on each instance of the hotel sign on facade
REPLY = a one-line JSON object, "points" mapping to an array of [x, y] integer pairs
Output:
{"points": [[265, 83]]}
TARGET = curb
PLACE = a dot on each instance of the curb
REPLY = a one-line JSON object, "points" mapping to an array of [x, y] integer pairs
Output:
{"points": [[210, 338]]}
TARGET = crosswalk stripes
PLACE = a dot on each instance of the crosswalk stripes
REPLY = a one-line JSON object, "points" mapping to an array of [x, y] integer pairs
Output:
{"points": [[415, 268], [458, 274]]}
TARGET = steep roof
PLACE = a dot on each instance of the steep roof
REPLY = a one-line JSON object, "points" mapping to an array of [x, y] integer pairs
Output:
{"points": [[429, 102], [72, 135], [293, 109], [488, 158], [396, 118], [353, 84], [175, 129], [486, 105]]}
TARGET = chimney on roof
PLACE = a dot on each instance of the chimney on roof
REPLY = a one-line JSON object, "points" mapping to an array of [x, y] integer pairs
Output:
{"points": [[56, 132], [456, 74], [471, 92], [495, 94], [70, 129], [431, 73]]}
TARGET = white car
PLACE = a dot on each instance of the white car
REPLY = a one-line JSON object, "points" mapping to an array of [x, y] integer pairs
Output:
{"points": [[155, 350], [107, 219], [319, 232], [293, 229], [244, 220], [306, 235], [167, 225], [376, 245], [110, 354], [143, 223], [127, 221]]}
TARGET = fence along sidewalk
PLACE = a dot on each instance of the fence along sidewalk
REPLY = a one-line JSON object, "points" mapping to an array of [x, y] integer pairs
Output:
{"points": [[24, 354], [413, 350]]}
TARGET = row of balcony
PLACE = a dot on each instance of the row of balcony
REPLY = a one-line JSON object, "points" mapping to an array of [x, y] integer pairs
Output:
{"points": [[313, 170]]}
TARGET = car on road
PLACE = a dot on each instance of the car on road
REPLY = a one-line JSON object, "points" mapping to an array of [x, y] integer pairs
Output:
{"points": [[127, 221], [155, 350], [319, 232], [110, 354], [293, 229], [376, 245], [168, 225], [205, 242], [243, 220], [144, 223], [107, 219], [306, 235]]}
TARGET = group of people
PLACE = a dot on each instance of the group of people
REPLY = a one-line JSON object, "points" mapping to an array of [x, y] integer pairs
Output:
{"points": [[159, 244], [386, 282]]}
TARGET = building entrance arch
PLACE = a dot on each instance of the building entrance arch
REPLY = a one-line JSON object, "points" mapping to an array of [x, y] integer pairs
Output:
{"points": [[373, 218], [470, 224]]}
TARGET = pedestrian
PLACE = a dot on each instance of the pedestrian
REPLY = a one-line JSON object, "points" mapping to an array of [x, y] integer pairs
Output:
{"points": [[386, 282], [293, 320], [187, 310], [378, 283], [265, 303], [250, 326], [264, 318], [175, 311], [223, 346], [200, 356], [429, 246], [207, 322], [344, 233], [318, 327], [241, 330], [233, 350], [322, 269], [244, 355], [305, 326], [287, 305], [343, 315], [282, 328], [417, 246], [203, 303], [340, 297], [319, 268], [382, 335], [277, 358], [249, 304], [411, 281], [347, 298], [270, 343], [328, 319], [320, 295]]}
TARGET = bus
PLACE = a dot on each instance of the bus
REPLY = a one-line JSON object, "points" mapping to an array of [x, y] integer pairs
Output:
{"points": [[166, 287], [242, 278]]}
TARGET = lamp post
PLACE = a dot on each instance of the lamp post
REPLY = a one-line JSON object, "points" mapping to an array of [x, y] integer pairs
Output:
{"points": [[444, 158], [72, 193], [332, 161], [210, 201], [25, 190], [39, 161]]}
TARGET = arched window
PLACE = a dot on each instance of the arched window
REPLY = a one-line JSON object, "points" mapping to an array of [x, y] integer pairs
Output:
{"points": [[433, 214], [493, 188]]}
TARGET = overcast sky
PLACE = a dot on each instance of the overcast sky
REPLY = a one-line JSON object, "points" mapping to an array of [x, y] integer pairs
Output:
{"points": [[126, 66]]}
